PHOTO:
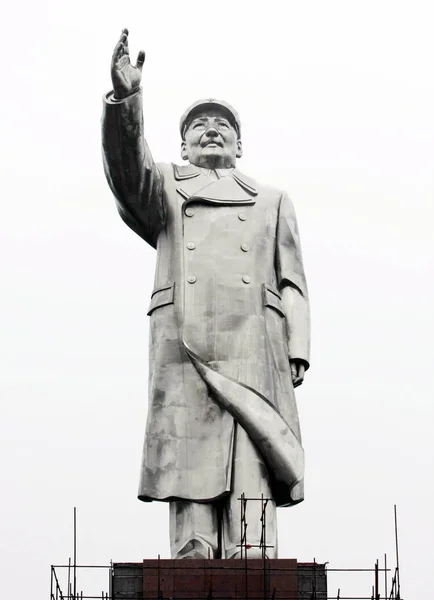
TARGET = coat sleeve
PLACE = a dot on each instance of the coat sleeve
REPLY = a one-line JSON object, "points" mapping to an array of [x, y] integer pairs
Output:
{"points": [[134, 178], [292, 282]]}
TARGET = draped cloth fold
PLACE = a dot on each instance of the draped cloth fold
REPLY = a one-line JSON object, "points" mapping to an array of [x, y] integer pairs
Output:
{"points": [[271, 434]]}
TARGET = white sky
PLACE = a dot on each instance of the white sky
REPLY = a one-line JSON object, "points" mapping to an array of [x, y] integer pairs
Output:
{"points": [[336, 100]]}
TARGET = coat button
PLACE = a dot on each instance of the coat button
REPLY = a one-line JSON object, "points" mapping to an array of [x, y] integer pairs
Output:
{"points": [[191, 278], [189, 212], [245, 247], [242, 216], [246, 279], [191, 245]]}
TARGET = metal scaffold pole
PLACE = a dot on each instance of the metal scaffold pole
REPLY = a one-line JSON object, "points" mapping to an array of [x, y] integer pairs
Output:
{"points": [[75, 553]]}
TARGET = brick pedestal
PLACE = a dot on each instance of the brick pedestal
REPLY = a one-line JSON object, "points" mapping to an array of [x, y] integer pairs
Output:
{"points": [[254, 579]]}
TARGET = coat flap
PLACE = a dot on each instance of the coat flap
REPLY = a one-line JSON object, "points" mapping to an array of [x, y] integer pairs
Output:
{"points": [[162, 296], [280, 448], [272, 298]]}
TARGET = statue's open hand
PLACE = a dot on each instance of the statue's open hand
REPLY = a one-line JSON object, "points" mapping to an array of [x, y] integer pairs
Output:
{"points": [[297, 372], [126, 78]]}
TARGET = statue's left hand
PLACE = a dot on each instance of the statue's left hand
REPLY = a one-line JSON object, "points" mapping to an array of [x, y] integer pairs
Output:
{"points": [[298, 369]]}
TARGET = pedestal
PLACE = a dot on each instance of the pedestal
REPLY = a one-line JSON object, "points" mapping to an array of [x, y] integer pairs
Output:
{"points": [[253, 579]]}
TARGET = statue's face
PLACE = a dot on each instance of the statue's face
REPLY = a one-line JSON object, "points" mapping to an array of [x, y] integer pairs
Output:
{"points": [[211, 141]]}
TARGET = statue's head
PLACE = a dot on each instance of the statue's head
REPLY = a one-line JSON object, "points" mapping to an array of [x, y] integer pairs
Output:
{"points": [[211, 132]]}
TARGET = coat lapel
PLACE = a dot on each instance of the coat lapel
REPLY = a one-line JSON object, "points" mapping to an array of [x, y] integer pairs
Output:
{"points": [[234, 188], [247, 183], [185, 172]]}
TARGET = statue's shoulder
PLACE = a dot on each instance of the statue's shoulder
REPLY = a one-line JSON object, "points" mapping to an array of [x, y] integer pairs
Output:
{"points": [[267, 191], [165, 169]]}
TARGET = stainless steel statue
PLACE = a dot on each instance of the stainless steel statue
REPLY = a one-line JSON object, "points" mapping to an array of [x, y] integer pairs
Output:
{"points": [[229, 323]]}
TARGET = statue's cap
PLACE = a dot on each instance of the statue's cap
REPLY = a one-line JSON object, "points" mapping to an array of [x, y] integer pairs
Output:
{"points": [[201, 105]]}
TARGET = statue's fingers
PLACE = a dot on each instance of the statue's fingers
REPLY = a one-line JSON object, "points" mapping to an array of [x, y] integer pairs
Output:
{"points": [[123, 38], [124, 52], [140, 59], [125, 42], [117, 52], [297, 381]]}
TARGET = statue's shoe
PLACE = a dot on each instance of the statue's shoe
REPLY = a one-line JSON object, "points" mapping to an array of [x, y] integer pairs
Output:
{"points": [[195, 549]]}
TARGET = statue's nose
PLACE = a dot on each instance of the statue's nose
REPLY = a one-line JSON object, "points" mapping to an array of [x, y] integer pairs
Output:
{"points": [[212, 132]]}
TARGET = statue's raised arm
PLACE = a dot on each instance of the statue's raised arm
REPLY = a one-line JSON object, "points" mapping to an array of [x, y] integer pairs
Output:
{"points": [[134, 178]]}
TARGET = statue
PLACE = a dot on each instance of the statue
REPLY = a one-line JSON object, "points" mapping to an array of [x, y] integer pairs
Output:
{"points": [[229, 323]]}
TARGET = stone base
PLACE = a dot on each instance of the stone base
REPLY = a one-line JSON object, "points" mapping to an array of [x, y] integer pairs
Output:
{"points": [[253, 579]]}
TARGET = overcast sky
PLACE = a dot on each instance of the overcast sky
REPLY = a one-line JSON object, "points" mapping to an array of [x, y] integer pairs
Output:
{"points": [[336, 101]]}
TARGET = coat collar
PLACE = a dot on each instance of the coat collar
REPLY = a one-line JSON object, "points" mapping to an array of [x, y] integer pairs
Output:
{"points": [[235, 187], [185, 171]]}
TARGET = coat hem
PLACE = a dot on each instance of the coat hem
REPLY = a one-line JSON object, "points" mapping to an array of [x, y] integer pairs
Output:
{"points": [[146, 498]]}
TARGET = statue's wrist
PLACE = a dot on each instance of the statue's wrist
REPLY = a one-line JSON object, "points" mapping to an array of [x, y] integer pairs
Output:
{"points": [[121, 94]]}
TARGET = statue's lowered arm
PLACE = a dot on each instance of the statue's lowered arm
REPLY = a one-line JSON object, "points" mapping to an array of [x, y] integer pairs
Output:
{"points": [[293, 287]]}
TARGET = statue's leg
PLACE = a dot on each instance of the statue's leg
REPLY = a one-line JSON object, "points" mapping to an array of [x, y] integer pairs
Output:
{"points": [[251, 478], [194, 530]]}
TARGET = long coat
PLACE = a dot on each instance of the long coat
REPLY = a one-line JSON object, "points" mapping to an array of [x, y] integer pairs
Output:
{"points": [[226, 251]]}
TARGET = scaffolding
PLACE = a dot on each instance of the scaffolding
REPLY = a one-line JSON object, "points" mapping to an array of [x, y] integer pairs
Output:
{"points": [[311, 577]]}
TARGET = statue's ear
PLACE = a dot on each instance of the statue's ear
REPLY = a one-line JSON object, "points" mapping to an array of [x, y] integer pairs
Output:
{"points": [[184, 155], [239, 149]]}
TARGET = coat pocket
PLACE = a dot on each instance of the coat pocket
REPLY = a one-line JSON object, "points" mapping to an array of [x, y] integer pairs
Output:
{"points": [[272, 298], [162, 296]]}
